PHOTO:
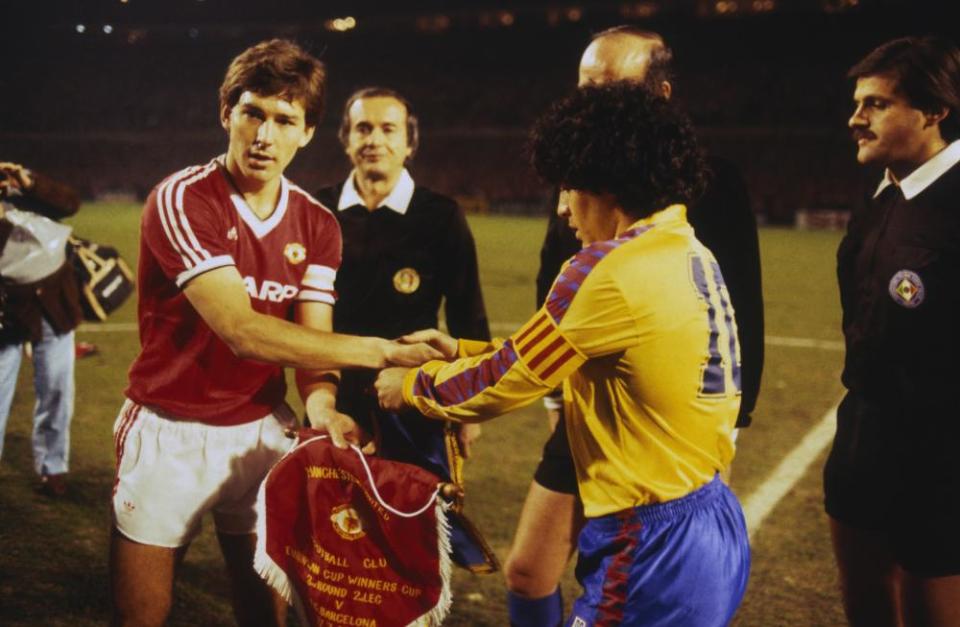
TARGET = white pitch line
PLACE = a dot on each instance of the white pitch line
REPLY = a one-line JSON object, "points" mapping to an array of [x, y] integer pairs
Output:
{"points": [[785, 476], [803, 342], [107, 327]]}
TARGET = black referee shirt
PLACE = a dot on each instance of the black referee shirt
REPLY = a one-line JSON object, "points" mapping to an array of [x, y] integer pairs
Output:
{"points": [[398, 267], [899, 273]]}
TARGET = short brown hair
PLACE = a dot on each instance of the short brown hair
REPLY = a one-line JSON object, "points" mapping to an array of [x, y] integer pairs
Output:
{"points": [[277, 67], [927, 71]]}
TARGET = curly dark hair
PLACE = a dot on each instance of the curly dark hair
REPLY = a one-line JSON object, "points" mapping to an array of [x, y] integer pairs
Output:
{"points": [[619, 139]]}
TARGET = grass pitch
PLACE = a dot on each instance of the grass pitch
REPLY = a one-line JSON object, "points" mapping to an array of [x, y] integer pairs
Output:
{"points": [[53, 554]]}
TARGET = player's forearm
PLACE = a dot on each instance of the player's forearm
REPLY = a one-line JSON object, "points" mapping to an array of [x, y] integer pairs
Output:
{"points": [[476, 387], [318, 387], [310, 380], [468, 390], [319, 399], [265, 338]]}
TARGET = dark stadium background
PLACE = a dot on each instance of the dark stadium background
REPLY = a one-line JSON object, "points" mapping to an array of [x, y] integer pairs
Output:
{"points": [[131, 98], [114, 112]]}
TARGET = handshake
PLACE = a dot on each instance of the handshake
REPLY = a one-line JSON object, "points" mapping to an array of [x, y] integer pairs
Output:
{"points": [[411, 351], [401, 355]]}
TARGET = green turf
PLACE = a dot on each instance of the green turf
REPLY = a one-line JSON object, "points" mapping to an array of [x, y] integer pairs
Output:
{"points": [[53, 553]]}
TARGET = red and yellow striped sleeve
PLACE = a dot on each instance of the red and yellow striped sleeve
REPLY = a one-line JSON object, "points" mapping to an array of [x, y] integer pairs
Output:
{"points": [[529, 364]]}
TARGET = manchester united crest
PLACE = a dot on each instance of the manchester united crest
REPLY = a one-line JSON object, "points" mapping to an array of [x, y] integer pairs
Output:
{"points": [[346, 522], [906, 288], [406, 281], [295, 252]]}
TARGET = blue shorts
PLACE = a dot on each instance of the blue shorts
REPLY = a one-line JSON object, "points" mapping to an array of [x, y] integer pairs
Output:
{"points": [[683, 563]]}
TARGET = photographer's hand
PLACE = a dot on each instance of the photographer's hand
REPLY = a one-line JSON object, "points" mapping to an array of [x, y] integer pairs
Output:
{"points": [[14, 177]]}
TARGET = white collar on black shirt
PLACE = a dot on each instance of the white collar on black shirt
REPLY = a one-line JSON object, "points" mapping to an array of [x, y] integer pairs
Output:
{"points": [[398, 199], [924, 176]]}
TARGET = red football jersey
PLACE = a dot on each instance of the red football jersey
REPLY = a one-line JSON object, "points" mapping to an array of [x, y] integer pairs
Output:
{"points": [[195, 221]]}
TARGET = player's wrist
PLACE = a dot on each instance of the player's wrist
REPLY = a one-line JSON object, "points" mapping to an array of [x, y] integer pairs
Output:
{"points": [[383, 350], [321, 400]]}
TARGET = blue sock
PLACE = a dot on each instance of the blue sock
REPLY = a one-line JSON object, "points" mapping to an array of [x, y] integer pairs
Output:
{"points": [[543, 612]]}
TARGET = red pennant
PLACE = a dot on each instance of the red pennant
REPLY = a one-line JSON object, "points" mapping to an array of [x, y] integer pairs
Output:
{"points": [[354, 540]]}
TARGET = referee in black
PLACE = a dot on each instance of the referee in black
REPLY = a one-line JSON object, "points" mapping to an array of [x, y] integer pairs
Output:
{"points": [[892, 480], [406, 250]]}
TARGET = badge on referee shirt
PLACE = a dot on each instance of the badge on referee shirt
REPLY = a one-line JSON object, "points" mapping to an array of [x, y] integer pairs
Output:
{"points": [[906, 288], [406, 281]]}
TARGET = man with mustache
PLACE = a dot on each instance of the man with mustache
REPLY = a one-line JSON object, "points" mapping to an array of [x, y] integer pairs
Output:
{"points": [[891, 482], [230, 253]]}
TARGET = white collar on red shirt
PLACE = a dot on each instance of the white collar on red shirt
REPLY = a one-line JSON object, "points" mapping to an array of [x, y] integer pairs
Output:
{"points": [[924, 176], [398, 199], [258, 226]]}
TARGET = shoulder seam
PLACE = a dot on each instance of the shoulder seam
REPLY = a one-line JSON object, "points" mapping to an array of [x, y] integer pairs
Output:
{"points": [[309, 197], [575, 274]]}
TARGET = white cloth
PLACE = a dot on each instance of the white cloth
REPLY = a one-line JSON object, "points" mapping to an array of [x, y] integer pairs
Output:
{"points": [[35, 249]]}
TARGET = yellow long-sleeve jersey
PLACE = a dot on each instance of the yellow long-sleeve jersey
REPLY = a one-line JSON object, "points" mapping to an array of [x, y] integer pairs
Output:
{"points": [[641, 332]]}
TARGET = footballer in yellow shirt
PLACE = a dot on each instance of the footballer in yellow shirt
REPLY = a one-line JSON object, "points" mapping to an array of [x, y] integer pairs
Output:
{"points": [[639, 329], [640, 332]]}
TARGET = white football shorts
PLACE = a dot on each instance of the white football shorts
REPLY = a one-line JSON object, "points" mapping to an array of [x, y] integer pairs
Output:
{"points": [[171, 472]]}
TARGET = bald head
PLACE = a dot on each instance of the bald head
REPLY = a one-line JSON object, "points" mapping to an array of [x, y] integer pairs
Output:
{"points": [[621, 56]]}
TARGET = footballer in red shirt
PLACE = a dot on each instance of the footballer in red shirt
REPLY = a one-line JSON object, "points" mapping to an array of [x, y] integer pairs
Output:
{"points": [[236, 276]]}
